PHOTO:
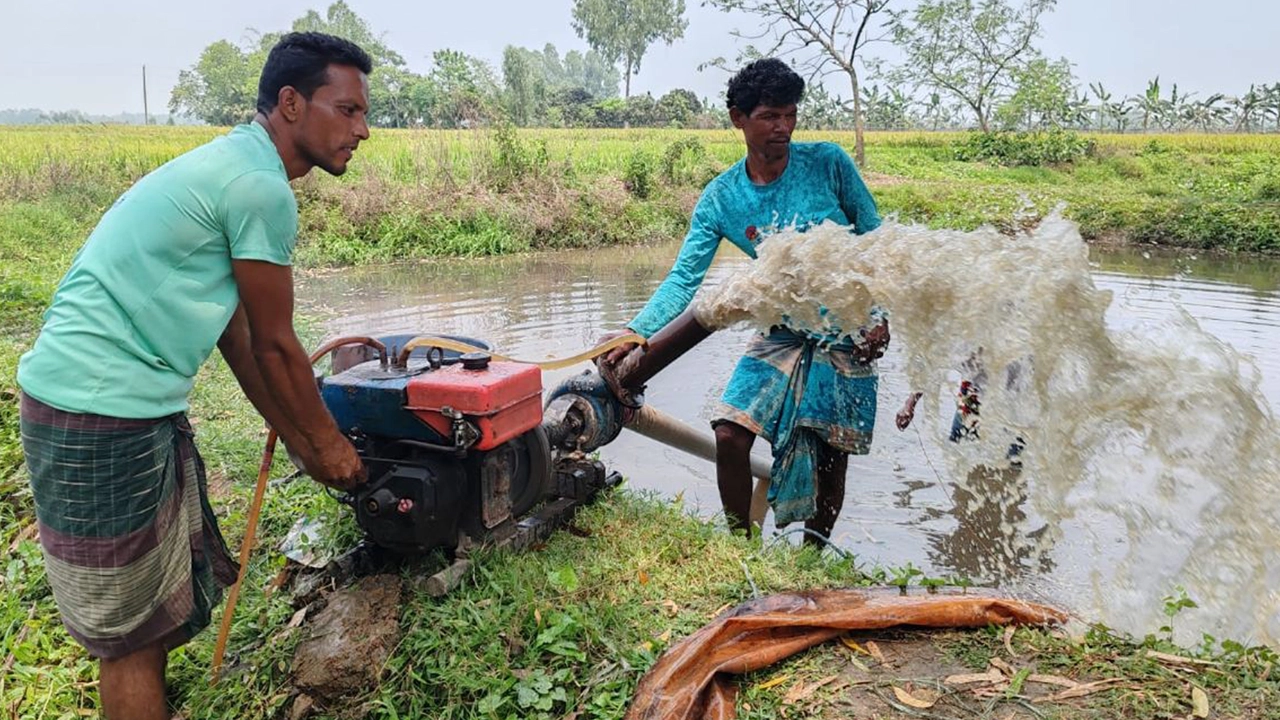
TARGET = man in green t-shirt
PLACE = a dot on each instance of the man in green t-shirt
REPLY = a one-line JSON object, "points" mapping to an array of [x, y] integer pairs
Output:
{"points": [[195, 255]]}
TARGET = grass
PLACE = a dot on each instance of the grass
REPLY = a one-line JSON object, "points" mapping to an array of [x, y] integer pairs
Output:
{"points": [[415, 193], [570, 627]]}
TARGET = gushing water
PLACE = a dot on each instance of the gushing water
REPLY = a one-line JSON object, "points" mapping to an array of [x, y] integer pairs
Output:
{"points": [[1152, 450]]}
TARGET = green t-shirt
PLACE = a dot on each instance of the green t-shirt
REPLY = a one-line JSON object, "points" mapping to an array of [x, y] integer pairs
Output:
{"points": [[151, 291]]}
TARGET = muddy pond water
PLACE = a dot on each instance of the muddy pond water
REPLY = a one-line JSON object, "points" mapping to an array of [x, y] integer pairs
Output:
{"points": [[902, 504]]}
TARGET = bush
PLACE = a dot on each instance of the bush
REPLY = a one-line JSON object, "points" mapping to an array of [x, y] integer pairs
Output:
{"points": [[685, 162], [638, 174], [1267, 188], [515, 158], [1054, 147]]}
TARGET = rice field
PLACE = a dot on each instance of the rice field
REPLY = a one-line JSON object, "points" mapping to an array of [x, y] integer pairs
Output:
{"points": [[130, 151]]}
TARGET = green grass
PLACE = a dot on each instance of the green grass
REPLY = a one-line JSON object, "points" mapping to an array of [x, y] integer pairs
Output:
{"points": [[570, 627]]}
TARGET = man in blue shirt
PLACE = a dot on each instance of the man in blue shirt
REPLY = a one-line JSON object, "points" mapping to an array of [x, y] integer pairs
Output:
{"points": [[811, 395]]}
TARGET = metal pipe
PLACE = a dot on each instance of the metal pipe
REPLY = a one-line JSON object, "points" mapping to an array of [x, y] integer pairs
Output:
{"points": [[657, 425]]}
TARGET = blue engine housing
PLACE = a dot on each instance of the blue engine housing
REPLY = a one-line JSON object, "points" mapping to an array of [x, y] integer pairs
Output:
{"points": [[366, 399]]}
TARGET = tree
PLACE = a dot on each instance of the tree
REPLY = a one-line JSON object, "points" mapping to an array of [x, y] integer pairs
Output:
{"points": [[221, 89], [389, 81], [1118, 112], [573, 108], [824, 36], [524, 78], [1150, 104], [677, 108], [342, 21], [1247, 107], [1207, 114], [66, 117], [1043, 96], [623, 30], [641, 111], [968, 49], [591, 72], [463, 90], [395, 98], [888, 109], [824, 111]]}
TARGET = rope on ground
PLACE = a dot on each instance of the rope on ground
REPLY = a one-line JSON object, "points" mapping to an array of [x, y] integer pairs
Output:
{"points": [[777, 537], [755, 591]]}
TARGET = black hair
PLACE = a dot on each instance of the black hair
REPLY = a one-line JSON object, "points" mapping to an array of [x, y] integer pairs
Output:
{"points": [[769, 81], [301, 60]]}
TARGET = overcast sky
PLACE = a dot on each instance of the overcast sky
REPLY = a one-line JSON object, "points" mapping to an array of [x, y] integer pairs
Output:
{"points": [[88, 55]]}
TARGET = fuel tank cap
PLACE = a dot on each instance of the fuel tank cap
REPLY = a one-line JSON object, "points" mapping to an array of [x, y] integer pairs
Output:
{"points": [[475, 360]]}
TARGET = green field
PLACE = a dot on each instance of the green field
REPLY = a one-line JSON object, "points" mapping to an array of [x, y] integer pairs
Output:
{"points": [[413, 193], [568, 629]]}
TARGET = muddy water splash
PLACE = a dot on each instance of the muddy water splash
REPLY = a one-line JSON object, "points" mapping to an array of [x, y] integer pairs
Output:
{"points": [[1152, 447]]}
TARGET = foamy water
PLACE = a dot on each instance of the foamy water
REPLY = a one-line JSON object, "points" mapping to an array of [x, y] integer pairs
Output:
{"points": [[1150, 450]]}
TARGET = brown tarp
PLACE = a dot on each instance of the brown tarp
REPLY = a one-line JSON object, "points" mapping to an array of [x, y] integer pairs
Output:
{"points": [[691, 680]]}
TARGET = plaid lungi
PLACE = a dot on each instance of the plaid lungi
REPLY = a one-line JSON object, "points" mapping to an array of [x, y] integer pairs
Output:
{"points": [[131, 546], [796, 392]]}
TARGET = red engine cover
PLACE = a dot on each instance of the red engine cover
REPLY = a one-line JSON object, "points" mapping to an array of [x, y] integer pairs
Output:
{"points": [[503, 401]]}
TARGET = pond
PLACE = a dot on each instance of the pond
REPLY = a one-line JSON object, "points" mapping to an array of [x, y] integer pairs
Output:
{"points": [[904, 503]]}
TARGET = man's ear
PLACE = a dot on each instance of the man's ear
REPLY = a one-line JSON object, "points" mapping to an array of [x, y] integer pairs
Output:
{"points": [[289, 102], [737, 117]]}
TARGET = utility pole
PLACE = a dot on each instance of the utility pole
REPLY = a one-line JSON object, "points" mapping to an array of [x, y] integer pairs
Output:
{"points": [[146, 114]]}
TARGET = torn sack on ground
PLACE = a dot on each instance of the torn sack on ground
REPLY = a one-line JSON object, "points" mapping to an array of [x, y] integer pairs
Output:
{"points": [[691, 680]]}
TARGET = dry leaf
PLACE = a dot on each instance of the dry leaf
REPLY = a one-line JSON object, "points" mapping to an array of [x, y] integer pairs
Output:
{"points": [[1177, 659], [1082, 690], [849, 643], [992, 692], [28, 533], [644, 578], [716, 613], [1052, 680], [794, 693], [664, 637], [672, 608], [1003, 667], [773, 683], [297, 618], [970, 678], [537, 616], [874, 651], [802, 691], [1008, 641], [1199, 703], [910, 700], [859, 664]]}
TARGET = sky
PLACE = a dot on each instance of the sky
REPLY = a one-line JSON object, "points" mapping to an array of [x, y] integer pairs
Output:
{"points": [[88, 55]]}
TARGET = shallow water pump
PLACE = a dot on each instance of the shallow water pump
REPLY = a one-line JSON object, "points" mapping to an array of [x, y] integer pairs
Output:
{"points": [[457, 445]]}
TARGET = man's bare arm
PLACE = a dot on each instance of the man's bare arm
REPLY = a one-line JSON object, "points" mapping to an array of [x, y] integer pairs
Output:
{"points": [[284, 381]]}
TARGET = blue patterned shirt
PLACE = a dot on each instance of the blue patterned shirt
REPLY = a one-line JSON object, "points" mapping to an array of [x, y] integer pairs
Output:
{"points": [[820, 183]]}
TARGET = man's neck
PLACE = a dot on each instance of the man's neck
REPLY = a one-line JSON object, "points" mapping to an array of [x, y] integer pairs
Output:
{"points": [[763, 170], [294, 166]]}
